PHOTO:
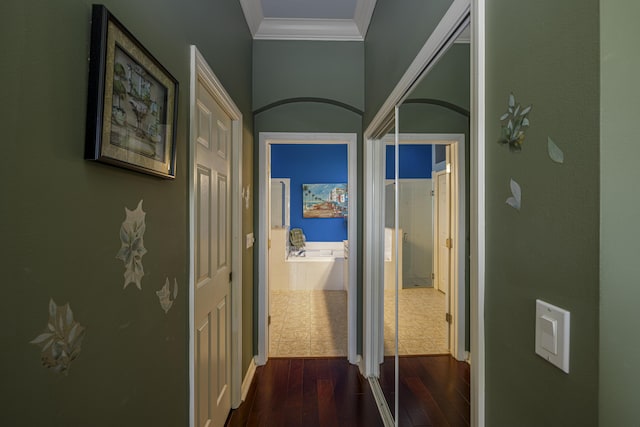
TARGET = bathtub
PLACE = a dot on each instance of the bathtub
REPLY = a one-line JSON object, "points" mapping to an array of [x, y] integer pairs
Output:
{"points": [[321, 268]]}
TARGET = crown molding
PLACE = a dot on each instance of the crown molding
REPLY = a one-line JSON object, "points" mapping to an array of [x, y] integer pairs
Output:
{"points": [[252, 10], [363, 14], [308, 29]]}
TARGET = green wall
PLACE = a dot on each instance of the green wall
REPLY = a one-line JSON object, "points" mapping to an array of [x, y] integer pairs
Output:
{"points": [[61, 215], [397, 32], [298, 69], [547, 54], [321, 69], [619, 213]]}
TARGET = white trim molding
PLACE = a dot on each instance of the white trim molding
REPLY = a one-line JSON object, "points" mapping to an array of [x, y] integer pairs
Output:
{"points": [[274, 28], [363, 15], [200, 70], [266, 139], [308, 29], [248, 379], [478, 238]]}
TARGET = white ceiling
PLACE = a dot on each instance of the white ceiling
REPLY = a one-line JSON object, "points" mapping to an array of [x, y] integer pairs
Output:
{"points": [[308, 19]]}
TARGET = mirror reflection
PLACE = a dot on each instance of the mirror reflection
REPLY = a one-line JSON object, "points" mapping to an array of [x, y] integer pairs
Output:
{"points": [[432, 253]]}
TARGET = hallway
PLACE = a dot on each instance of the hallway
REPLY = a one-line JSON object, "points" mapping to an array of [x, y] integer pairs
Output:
{"points": [[330, 392]]}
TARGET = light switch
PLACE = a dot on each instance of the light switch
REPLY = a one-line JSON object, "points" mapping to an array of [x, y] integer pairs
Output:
{"points": [[549, 327], [249, 240], [552, 334]]}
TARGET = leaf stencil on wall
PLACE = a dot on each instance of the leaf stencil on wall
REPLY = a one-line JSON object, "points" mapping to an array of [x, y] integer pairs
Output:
{"points": [[61, 340], [132, 249], [554, 151], [515, 200], [167, 297], [514, 124]]}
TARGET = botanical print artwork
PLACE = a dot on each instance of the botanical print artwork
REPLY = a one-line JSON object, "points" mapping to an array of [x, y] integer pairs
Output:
{"points": [[554, 151], [139, 108], [61, 340], [514, 124], [324, 200], [515, 201], [165, 295], [132, 249]]}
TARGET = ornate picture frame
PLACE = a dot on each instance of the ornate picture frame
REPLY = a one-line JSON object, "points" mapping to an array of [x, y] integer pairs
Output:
{"points": [[132, 101]]}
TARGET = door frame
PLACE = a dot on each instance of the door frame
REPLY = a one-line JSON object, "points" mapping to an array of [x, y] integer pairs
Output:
{"points": [[457, 278], [459, 11], [266, 139], [199, 69]]}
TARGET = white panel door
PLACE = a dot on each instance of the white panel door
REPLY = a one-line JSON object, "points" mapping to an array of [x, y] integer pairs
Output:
{"points": [[212, 253], [443, 230]]}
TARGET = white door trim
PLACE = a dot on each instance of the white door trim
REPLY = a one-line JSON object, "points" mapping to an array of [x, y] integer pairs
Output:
{"points": [[458, 227], [458, 13], [266, 139], [201, 70], [478, 238]]}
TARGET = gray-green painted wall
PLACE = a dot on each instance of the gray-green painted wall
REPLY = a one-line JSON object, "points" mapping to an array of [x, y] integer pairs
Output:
{"points": [[320, 69], [547, 54], [619, 213], [298, 69], [61, 215], [397, 32]]}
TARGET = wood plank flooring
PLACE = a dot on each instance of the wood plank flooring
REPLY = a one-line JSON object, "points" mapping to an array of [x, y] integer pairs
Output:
{"points": [[309, 392], [434, 390]]}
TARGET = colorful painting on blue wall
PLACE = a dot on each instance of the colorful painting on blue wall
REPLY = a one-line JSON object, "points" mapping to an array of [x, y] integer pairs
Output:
{"points": [[324, 200]]}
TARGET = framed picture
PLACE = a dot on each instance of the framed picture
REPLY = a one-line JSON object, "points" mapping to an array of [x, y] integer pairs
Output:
{"points": [[132, 101], [324, 200]]}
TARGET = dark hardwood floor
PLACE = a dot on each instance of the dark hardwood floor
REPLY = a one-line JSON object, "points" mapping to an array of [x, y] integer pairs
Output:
{"points": [[434, 391], [307, 392]]}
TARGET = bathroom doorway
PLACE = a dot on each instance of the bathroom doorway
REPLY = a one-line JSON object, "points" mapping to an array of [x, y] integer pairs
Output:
{"points": [[307, 300], [427, 319]]}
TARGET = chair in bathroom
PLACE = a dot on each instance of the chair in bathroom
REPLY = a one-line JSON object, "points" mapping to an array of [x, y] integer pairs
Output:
{"points": [[296, 242]]}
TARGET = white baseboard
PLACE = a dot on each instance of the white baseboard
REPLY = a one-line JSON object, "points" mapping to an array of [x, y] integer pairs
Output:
{"points": [[248, 378]]}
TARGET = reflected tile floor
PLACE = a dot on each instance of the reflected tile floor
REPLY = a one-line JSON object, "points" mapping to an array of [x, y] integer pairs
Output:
{"points": [[308, 323], [422, 328]]}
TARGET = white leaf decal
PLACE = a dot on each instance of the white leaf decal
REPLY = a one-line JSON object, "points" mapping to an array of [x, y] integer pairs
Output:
{"points": [[164, 295], [41, 338], [512, 100], [504, 116], [132, 245], [515, 201], [554, 151], [60, 343]]}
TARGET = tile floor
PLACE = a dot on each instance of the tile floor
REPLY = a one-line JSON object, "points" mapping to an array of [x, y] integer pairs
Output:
{"points": [[422, 328], [314, 323], [308, 323]]}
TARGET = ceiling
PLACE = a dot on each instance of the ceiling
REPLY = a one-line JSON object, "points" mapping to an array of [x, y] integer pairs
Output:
{"points": [[308, 19]]}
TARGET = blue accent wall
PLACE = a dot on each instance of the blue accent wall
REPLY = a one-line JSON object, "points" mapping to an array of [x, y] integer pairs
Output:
{"points": [[415, 161], [312, 164]]}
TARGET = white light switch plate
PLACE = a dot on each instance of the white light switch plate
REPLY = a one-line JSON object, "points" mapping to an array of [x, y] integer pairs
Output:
{"points": [[250, 240], [552, 334]]}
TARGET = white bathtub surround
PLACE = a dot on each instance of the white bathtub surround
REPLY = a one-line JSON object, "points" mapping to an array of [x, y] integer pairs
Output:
{"points": [[321, 267]]}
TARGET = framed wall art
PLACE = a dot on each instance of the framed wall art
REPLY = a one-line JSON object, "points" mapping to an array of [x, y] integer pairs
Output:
{"points": [[324, 200], [132, 101]]}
